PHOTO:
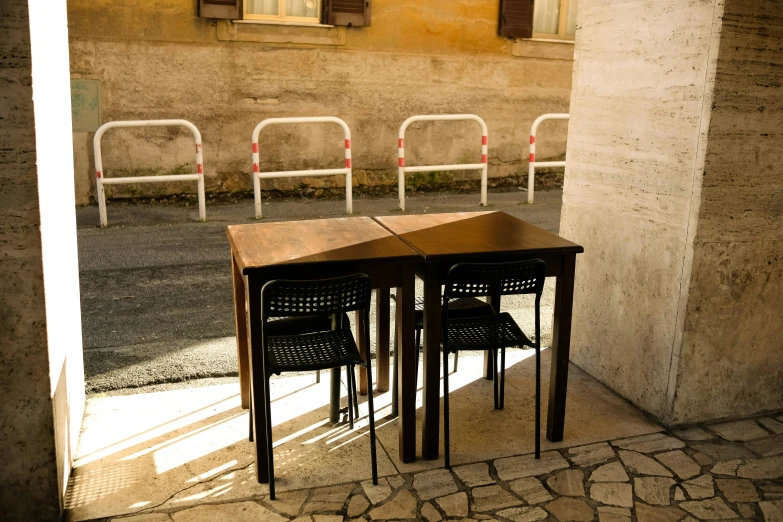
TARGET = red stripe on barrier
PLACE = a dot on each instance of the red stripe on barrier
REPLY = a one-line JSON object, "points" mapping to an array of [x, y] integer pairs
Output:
{"points": [[401, 162], [483, 158], [347, 163], [255, 167], [532, 139], [400, 143], [347, 144], [532, 158], [200, 168], [483, 140], [97, 173], [255, 147]]}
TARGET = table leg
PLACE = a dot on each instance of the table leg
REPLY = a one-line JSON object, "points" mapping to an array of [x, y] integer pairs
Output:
{"points": [[240, 322], [334, 396], [361, 328], [430, 445], [256, 379], [406, 382], [561, 346], [382, 307], [489, 362]]}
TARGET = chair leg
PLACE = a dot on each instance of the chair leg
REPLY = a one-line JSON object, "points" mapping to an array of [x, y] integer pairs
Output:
{"points": [[269, 452], [372, 424], [418, 350], [494, 354], [456, 361], [538, 401], [395, 375], [355, 394], [318, 376], [446, 449], [250, 414], [349, 385], [502, 378]]}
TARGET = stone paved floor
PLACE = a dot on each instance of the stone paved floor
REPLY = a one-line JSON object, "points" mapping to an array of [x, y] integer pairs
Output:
{"points": [[724, 471]]}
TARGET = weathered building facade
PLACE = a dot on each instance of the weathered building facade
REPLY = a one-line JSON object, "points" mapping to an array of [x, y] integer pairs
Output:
{"points": [[161, 59]]}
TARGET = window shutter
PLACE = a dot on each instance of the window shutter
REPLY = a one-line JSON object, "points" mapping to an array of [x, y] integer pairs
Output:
{"points": [[516, 18], [355, 13], [230, 9]]}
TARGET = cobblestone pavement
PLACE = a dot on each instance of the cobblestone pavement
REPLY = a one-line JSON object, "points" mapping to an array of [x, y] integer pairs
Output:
{"points": [[724, 471]]}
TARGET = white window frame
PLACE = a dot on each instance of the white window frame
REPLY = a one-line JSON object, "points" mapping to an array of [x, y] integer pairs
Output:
{"points": [[561, 25], [281, 16]]}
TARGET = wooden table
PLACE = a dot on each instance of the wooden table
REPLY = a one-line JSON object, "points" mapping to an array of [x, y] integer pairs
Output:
{"points": [[446, 239], [321, 249]]}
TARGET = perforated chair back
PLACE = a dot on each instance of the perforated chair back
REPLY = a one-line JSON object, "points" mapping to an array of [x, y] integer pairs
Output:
{"points": [[287, 298], [485, 279]]}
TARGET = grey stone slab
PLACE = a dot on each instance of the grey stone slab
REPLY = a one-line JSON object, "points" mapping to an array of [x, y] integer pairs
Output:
{"points": [[490, 498], [767, 447], [679, 494], [692, 433], [642, 464], [474, 474], [524, 514], [288, 502], [724, 451], [612, 472], [531, 490], [728, 467], [591, 455], [568, 509], [702, 459], [400, 507], [680, 463], [612, 517], [645, 513], [569, 482], [737, 490], [377, 493], [527, 466], [766, 468], [429, 512], [772, 510], [711, 509], [654, 490], [435, 483], [328, 499], [357, 505], [395, 481], [650, 443], [612, 493], [743, 430], [771, 491], [771, 424], [747, 510], [236, 511], [700, 487], [454, 505]]}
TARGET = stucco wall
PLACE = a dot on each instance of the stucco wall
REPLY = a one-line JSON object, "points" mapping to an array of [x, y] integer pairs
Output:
{"points": [[42, 383], [641, 84], [434, 57], [732, 351]]}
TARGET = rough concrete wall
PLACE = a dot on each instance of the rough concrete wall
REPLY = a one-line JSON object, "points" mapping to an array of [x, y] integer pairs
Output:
{"points": [[450, 60], [640, 88], [28, 482], [731, 360]]}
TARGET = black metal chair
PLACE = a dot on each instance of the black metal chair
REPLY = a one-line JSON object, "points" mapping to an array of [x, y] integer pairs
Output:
{"points": [[295, 352], [494, 332]]}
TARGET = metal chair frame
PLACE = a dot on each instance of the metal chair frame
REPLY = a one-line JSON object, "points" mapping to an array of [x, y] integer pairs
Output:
{"points": [[494, 279], [334, 297]]}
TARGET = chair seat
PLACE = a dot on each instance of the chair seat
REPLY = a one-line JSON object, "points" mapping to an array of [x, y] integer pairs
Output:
{"points": [[458, 308], [313, 351], [485, 332], [303, 324]]}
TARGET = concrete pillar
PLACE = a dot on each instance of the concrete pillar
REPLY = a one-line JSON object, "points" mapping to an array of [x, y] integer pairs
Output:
{"points": [[675, 188], [41, 371]]}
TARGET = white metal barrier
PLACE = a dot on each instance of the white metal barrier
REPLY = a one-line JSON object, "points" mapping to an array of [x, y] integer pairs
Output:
{"points": [[100, 180], [533, 164], [402, 169], [347, 170]]}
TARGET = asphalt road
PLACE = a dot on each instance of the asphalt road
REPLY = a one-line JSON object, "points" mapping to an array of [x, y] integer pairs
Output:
{"points": [[156, 285]]}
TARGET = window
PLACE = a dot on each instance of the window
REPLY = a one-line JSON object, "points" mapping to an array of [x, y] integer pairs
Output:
{"points": [[554, 19], [308, 11]]}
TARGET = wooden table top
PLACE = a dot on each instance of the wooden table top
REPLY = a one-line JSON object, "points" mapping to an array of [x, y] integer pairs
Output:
{"points": [[314, 241], [438, 236]]}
